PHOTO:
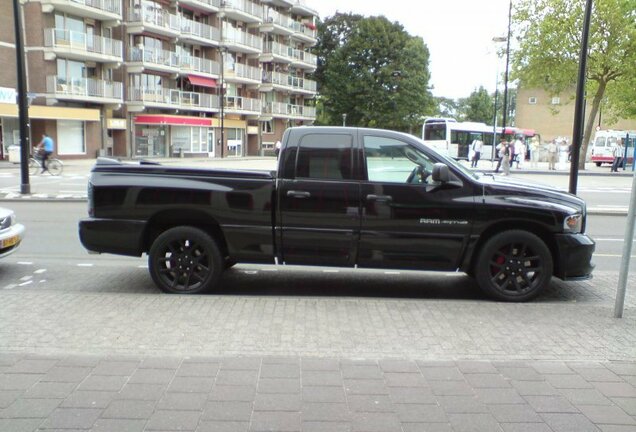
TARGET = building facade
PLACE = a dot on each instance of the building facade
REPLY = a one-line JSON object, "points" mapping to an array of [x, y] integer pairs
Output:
{"points": [[161, 78], [553, 116]]}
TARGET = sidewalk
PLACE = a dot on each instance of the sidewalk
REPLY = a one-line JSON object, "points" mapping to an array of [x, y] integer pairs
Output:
{"points": [[143, 361]]}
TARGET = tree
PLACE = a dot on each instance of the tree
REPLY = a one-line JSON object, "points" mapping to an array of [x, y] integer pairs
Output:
{"points": [[373, 71], [549, 35], [478, 107]]}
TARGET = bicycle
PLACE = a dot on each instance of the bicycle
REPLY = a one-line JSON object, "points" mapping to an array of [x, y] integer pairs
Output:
{"points": [[53, 166]]}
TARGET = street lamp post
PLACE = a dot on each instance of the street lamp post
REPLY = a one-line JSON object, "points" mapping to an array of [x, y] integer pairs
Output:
{"points": [[222, 101], [505, 101], [494, 127], [344, 120]]}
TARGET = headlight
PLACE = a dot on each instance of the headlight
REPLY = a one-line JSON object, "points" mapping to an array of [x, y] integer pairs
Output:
{"points": [[573, 223], [7, 221]]}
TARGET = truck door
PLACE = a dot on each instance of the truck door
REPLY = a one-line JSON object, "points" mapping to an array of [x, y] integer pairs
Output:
{"points": [[408, 220], [319, 200]]}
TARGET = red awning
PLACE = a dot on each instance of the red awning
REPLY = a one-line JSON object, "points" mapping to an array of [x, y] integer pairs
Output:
{"points": [[173, 120], [202, 81]]}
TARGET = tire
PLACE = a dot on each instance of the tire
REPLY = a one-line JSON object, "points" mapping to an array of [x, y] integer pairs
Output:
{"points": [[55, 167], [185, 260], [34, 166], [503, 275], [598, 164]]}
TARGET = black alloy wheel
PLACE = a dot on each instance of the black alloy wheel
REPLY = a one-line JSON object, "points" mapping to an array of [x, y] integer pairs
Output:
{"points": [[185, 260], [514, 266]]}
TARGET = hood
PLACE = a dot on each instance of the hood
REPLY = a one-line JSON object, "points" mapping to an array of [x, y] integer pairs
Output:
{"points": [[523, 191]]}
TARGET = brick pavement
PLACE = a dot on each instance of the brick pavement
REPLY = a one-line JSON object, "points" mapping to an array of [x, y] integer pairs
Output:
{"points": [[431, 356]]}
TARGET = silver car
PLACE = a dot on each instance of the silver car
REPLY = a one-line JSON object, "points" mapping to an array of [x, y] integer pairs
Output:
{"points": [[11, 233]]}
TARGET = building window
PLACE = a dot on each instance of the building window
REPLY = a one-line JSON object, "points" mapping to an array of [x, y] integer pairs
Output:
{"points": [[70, 137], [532, 100], [556, 100], [267, 127]]}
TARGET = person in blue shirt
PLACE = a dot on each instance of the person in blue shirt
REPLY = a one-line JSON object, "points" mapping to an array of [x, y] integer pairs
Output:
{"points": [[46, 148]]}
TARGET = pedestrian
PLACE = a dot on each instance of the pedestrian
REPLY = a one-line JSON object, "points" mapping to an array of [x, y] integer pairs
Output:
{"points": [[506, 157], [45, 149], [618, 155], [520, 152], [534, 152], [476, 148], [512, 146], [277, 147], [553, 149], [499, 151]]}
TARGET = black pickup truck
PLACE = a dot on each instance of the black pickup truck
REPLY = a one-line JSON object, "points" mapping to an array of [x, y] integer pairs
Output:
{"points": [[343, 197]]}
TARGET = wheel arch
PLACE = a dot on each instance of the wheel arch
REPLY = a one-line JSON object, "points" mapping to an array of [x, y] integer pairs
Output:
{"points": [[535, 228], [167, 219]]}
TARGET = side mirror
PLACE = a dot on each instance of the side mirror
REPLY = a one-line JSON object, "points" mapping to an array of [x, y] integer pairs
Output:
{"points": [[441, 173]]}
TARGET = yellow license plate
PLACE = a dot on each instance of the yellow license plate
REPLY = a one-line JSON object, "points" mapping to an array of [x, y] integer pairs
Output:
{"points": [[10, 241]]}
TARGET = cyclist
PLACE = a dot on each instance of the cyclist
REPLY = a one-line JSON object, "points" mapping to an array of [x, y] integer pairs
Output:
{"points": [[45, 148]]}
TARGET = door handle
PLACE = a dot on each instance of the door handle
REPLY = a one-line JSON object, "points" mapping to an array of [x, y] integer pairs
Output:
{"points": [[298, 194], [379, 198]]}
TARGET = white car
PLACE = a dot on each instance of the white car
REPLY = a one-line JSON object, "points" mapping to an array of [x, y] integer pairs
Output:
{"points": [[11, 233]]}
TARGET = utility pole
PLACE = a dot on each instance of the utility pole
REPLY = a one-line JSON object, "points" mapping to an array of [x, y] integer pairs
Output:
{"points": [[23, 107], [505, 101]]}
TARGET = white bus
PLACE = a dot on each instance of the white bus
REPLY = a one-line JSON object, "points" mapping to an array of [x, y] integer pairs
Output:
{"points": [[453, 138], [604, 143]]}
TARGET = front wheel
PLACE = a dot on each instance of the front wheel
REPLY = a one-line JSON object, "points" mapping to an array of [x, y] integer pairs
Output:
{"points": [[514, 266], [34, 166], [598, 164], [185, 260]]}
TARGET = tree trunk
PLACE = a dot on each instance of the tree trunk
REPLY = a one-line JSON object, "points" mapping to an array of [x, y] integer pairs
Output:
{"points": [[589, 125]]}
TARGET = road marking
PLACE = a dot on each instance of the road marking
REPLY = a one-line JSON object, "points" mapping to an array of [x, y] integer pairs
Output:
{"points": [[392, 272], [611, 255], [331, 271], [25, 263], [26, 283], [26, 278], [10, 286], [39, 271], [85, 265]]}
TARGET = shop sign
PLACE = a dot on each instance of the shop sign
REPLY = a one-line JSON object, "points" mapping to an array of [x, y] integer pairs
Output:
{"points": [[115, 123], [8, 95]]}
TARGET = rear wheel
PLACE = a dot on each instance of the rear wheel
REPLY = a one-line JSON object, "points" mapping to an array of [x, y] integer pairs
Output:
{"points": [[598, 164], [514, 266], [55, 167], [185, 260]]}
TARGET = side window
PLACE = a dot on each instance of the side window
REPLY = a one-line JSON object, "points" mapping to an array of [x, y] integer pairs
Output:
{"points": [[325, 157], [393, 161]]}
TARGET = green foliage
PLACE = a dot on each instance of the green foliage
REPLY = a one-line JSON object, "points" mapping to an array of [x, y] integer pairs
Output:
{"points": [[478, 107], [549, 35], [373, 71]]}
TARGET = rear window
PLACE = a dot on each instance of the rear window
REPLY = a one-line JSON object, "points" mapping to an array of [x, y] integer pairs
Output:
{"points": [[600, 142]]}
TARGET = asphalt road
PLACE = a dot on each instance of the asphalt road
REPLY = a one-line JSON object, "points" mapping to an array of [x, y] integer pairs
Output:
{"points": [[52, 246]]}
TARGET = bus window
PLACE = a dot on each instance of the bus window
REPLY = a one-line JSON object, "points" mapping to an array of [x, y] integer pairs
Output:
{"points": [[435, 131]]}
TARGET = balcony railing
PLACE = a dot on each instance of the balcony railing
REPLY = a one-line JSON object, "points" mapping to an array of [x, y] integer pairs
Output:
{"points": [[196, 64], [276, 78], [300, 27], [233, 35], [214, 4], [285, 109], [69, 39], [274, 17], [244, 6], [300, 83], [156, 17], [278, 49], [156, 57], [111, 6], [243, 71], [203, 31], [84, 87], [238, 103], [165, 96], [305, 57]]}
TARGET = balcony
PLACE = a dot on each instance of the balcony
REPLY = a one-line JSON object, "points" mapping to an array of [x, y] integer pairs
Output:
{"points": [[210, 6], [81, 46], [275, 81], [199, 33], [277, 23], [301, 7], [238, 40], [242, 10], [304, 33], [190, 64], [155, 21], [274, 51], [139, 60], [304, 60], [242, 105], [140, 98], [107, 11], [281, 3], [84, 90], [241, 73], [288, 111], [302, 85]]}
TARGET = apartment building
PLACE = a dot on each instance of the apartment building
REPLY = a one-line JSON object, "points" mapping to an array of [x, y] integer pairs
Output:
{"points": [[161, 78]]}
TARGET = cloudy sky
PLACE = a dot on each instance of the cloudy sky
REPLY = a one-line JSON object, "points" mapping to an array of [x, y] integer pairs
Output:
{"points": [[458, 34]]}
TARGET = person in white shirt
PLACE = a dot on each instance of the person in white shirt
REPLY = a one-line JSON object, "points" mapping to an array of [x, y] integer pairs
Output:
{"points": [[476, 150], [520, 152]]}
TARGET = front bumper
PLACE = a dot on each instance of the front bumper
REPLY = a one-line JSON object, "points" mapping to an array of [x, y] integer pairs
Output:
{"points": [[12, 237], [574, 256]]}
